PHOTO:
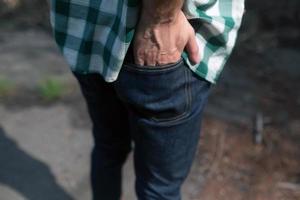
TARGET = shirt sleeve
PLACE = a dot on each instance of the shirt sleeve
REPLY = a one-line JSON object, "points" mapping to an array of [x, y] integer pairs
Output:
{"points": [[216, 24]]}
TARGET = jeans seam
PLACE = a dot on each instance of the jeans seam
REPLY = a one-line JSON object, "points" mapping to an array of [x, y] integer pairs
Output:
{"points": [[189, 80], [187, 108]]}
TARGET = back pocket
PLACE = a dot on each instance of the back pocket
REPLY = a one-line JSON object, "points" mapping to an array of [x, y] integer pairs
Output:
{"points": [[160, 94]]}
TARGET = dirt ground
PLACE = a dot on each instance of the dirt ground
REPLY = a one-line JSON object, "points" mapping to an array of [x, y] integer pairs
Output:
{"points": [[261, 78], [241, 170]]}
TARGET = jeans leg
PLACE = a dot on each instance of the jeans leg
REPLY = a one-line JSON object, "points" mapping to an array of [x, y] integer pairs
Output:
{"points": [[112, 140], [166, 106]]}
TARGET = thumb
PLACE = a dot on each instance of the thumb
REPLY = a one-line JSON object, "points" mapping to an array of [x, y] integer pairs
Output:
{"points": [[193, 49]]}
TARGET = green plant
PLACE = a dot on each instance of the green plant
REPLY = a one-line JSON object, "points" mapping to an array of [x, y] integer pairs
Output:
{"points": [[6, 86], [51, 88]]}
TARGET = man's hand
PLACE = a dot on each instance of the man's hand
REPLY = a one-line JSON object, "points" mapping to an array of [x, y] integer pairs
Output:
{"points": [[161, 40]]}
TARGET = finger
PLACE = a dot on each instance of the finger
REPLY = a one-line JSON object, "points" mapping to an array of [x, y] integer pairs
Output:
{"points": [[139, 57], [193, 49], [150, 58], [162, 59]]}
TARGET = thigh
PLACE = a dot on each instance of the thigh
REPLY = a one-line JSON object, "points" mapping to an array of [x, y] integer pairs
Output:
{"points": [[166, 105], [108, 114]]}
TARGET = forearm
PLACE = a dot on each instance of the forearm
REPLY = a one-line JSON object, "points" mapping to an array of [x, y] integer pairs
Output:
{"points": [[161, 11]]}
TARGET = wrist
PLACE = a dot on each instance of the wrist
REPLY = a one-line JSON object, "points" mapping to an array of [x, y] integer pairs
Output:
{"points": [[158, 18], [161, 11]]}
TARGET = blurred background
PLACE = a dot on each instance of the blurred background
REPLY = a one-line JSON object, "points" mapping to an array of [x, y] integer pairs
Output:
{"points": [[250, 144]]}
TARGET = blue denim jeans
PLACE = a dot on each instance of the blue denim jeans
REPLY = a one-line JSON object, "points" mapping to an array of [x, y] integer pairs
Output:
{"points": [[160, 110]]}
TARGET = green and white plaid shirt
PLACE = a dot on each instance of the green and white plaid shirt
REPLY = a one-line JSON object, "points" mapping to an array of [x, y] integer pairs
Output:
{"points": [[94, 35]]}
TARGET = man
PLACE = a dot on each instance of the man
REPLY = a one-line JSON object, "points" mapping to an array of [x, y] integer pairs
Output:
{"points": [[145, 69]]}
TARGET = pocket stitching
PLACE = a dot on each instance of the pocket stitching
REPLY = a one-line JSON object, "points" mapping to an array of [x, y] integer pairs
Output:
{"points": [[188, 101]]}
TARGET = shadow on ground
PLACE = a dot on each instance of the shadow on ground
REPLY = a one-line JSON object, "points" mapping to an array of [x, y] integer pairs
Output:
{"points": [[27, 175]]}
